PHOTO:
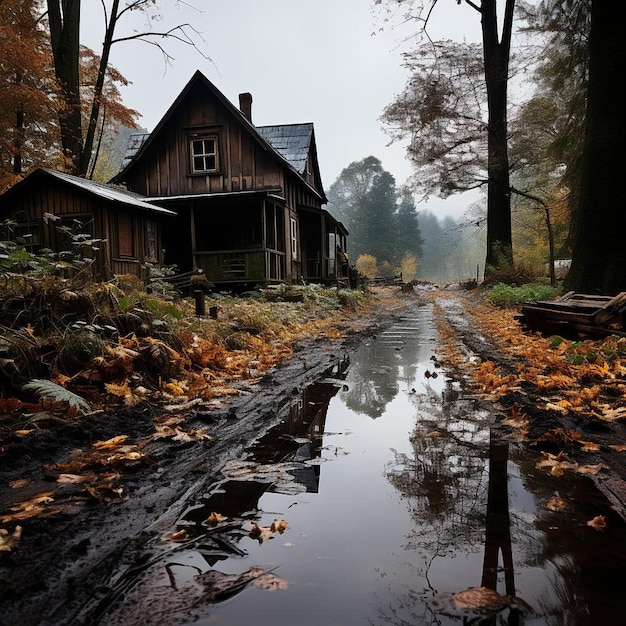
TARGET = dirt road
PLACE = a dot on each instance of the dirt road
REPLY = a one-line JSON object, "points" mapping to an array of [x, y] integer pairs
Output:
{"points": [[79, 555]]}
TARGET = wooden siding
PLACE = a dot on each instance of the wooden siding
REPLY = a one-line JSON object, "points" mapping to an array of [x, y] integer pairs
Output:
{"points": [[101, 220], [243, 163]]}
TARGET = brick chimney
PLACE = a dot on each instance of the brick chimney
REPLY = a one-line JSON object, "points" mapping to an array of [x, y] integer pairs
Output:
{"points": [[245, 105]]}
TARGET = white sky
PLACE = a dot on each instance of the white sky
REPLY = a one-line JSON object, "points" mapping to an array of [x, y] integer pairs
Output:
{"points": [[322, 61]]}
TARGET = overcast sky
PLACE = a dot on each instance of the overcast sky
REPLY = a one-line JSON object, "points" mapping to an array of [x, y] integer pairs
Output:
{"points": [[326, 62]]}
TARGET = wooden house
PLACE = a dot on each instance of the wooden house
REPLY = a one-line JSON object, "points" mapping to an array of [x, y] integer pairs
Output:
{"points": [[249, 200], [130, 228]]}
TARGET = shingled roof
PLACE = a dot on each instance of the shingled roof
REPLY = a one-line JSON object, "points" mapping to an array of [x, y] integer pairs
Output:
{"points": [[291, 141]]}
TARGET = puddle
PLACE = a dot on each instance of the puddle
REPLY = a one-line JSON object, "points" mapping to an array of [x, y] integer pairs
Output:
{"points": [[382, 494]]}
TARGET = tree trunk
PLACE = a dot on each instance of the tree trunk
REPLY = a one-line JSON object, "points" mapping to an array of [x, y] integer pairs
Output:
{"points": [[99, 87], [599, 225], [496, 59], [64, 19]]}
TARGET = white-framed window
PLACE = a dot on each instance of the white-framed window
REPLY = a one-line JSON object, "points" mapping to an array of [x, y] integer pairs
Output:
{"points": [[204, 155], [294, 238]]}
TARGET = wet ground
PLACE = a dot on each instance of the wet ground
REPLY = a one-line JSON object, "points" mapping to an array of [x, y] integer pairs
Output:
{"points": [[382, 491]]}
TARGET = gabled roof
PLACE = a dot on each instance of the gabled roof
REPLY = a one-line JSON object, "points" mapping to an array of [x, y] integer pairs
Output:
{"points": [[139, 143], [101, 190]]}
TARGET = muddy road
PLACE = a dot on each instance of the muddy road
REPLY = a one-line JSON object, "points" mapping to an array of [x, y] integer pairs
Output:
{"points": [[186, 532]]}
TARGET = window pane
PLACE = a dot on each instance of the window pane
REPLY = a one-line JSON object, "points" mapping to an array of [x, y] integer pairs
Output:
{"points": [[204, 154]]}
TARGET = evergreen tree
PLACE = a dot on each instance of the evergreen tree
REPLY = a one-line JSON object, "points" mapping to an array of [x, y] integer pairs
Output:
{"points": [[409, 238], [364, 198]]}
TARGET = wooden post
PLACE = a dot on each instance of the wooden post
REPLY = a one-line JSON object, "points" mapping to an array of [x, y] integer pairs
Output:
{"points": [[198, 295]]}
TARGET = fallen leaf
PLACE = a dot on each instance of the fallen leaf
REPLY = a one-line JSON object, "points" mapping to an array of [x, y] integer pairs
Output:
{"points": [[618, 448], [590, 469], [7, 542], [558, 466], [20, 482], [590, 446], [279, 526], [597, 523], [270, 582], [105, 492], [179, 535], [112, 443], [215, 518], [261, 533], [556, 504]]}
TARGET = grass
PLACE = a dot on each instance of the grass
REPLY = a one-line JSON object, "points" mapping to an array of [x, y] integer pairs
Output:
{"points": [[510, 295]]}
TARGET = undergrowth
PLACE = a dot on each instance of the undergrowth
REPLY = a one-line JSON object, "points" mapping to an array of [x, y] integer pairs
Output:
{"points": [[511, 295]]}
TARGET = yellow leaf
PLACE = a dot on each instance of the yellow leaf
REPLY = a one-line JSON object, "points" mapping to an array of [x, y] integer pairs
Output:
{"points": [[261, 533], [20, 482], [279, 526], [114, 442], [556, 504], [590, 469], [590, 446]]}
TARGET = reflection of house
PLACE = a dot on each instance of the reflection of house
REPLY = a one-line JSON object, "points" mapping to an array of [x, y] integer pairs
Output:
{"points": [[130, 225], [249, 199]]}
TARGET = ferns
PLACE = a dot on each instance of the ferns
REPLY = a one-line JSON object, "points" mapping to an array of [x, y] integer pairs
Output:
{"points": [[46, 389]]}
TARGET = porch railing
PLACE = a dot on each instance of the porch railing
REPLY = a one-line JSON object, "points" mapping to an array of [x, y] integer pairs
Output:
{"points": [[233, 266]]}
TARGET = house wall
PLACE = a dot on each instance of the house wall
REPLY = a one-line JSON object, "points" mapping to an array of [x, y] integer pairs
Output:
{"points": [[244, 164], [101, 219]]}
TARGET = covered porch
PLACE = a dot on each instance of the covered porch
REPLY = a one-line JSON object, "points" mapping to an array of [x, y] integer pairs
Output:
{"points": [[323, 242], [234, 239]]}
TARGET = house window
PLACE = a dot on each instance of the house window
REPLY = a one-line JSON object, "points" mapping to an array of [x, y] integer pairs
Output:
{"points": [[151, 241], [294, 239], [204, 155]]}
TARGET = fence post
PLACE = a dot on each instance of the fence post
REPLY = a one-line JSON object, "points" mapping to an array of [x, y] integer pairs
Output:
{"points": [[198, 295]]}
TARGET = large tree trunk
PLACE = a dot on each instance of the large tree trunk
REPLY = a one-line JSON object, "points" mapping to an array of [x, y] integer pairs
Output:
{"points": [[599, 227], [496, 58], [64, 19]]}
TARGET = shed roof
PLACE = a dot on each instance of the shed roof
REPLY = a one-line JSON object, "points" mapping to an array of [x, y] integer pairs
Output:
{"points": [[105, 191]]}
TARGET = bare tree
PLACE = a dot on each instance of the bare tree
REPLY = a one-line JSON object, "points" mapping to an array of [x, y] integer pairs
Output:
{"points": [[64, 31], [496, 49]]}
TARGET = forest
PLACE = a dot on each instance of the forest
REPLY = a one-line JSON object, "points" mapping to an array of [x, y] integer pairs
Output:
{"points": [[527, 117]]}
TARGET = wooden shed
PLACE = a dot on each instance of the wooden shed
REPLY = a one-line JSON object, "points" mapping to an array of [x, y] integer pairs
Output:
{"points": [[130, 227]]}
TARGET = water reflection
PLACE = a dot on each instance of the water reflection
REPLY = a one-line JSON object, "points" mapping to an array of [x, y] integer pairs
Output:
{"points": [[385, 360], [399, 492]]}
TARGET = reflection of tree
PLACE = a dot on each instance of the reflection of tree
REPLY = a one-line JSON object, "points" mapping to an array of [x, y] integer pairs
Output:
{"points": [[445, 482], [444, 478], [373, 380]]}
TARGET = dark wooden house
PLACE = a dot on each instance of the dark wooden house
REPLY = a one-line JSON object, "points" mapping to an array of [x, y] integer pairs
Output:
{"points": [[130, 228], [249, 200]]}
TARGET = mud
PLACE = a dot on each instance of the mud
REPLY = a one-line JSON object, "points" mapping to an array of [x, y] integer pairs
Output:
{"points": [[68, 568]]}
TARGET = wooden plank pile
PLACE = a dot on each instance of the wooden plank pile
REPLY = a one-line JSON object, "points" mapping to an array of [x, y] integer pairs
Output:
{"points": [[577, 313]]}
